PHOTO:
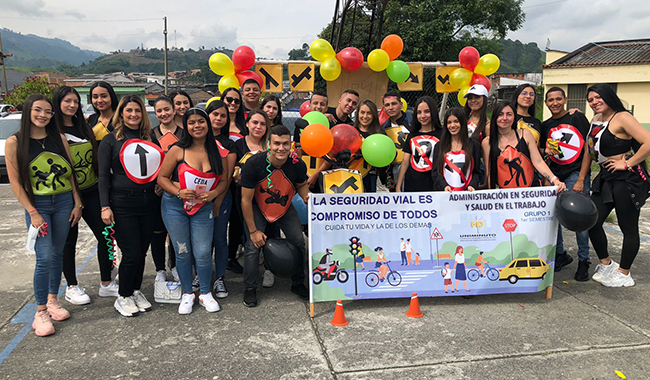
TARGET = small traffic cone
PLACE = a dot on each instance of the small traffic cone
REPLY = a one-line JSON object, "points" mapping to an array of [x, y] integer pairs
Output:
{"points": [[339, 315], [414, 308]]}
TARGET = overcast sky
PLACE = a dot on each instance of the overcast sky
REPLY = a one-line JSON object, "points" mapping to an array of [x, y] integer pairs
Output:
{"points": [[272, 28]]}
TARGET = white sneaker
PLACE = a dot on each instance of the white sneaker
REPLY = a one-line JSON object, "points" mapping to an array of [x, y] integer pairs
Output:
{"points": [[175, 275], [269, 279], [617, 279], [187, 301], [141, 301], [76, 295], [196, 285], [126, 306], [604, 271], [219, 288], [110, 290], [209, 303], [161, 276]]}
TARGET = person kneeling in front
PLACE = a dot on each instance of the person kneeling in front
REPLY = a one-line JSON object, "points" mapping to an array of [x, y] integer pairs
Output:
{"points": [[269, 181]]}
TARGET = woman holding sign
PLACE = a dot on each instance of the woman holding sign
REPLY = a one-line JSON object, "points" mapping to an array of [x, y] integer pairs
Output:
{"points": [[104, 101], [128, 165], [456, 156], [511, 155], [191, 176]]}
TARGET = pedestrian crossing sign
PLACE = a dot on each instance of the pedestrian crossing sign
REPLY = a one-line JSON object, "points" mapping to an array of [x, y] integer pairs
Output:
{"points": [[436, 235]]}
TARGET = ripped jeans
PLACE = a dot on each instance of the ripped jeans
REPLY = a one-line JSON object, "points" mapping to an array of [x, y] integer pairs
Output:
{"points": [[191, 236]]}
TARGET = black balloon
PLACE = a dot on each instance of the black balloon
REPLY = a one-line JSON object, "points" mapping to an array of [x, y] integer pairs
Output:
{"points": [[576, 211], [281, 258]]}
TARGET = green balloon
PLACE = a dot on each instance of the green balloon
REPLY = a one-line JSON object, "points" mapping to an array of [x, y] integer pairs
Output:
{"points": [[314, 117], [398, 71], [378, 150]]}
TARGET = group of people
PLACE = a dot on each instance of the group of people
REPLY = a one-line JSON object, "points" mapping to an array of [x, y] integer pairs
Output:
{"points": [[217, 182]]}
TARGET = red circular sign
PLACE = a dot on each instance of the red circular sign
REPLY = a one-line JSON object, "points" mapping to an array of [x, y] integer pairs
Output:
{"points": [[509, 225], [141, 160]]}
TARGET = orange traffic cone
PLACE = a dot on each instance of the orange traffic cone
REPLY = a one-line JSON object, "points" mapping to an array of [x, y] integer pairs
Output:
{"points": [[339, 315], [414, 309]]}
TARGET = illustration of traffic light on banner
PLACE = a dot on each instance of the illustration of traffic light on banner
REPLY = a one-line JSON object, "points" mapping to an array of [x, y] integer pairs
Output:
{"points": [[354, 246]]}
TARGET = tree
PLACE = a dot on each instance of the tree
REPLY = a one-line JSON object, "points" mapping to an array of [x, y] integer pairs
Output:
{"points": [[31, 86], [301, 54]]}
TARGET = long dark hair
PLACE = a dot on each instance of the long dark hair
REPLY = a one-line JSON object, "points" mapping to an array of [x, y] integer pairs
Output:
{"points": [[267, 135], [375, 127], [22, 151], [215, 105], [482, 118], [494, 139], [515, 97], [210, 145], [608, 95], [433, 108], [272, 98], [445, 139], [181, 92], [118, 121], [111, 94], [78, 119], [240, 119]]}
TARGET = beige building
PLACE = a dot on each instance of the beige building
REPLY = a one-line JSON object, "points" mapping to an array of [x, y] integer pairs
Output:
{"points": [[623, 64]]}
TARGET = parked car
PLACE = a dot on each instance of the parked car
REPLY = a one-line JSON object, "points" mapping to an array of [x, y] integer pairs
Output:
{"points": [[6, 109], [524, 269], [9, 125]]}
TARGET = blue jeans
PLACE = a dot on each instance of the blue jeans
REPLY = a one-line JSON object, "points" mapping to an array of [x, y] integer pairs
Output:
{"points": [[581, 237], [191, 236], [55, 210], [220, 236]]}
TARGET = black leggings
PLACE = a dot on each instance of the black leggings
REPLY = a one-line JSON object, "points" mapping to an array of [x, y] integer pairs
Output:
{"points": [[628, 220], [158, 242], [236, 225], [92, 215]]}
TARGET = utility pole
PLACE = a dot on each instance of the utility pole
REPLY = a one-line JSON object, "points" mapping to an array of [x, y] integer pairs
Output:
{"points": [[165, 33], [4, 73]]}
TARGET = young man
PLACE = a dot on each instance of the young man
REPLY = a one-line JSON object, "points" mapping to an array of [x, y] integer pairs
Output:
{"points": [[565, 144], [318, 102], [348, 103], [396, 124], [251, 93], [266, 198]]}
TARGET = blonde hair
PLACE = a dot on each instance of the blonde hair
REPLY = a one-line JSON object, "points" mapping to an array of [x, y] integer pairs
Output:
{"points": [[118, 120]]}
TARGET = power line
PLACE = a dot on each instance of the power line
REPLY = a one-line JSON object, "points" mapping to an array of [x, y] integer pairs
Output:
{"points": [[76, 20], [539, 5]]}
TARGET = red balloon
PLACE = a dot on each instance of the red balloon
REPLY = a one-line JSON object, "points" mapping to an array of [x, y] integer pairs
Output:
{"points": [[304, 108], [345, 137], [350, 58], [243, 58], [482, 80], [383, 116], [246, 75], [468, 58]]}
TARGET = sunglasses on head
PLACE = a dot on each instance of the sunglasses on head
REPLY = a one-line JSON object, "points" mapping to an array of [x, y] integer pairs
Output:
{"points": [[232, 100]]}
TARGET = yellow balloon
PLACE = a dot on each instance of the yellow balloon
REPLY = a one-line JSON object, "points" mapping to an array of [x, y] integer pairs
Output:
{"points": [[330, 69], [487, 65], [321, 50], [227, 82], [378, 60], [460, 78], [461, 95], [221, 64], [404, 105]]}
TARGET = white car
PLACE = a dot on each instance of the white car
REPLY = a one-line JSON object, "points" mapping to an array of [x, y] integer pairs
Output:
{"points": [[6, 109], [9, 125]]}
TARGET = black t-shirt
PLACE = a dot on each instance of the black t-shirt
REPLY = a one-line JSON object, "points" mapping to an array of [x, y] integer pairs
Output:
{"points": [[226, 143], [420, 179], [578, 121], [439, 181], [255, 170], [332, 110], [402, 120]]}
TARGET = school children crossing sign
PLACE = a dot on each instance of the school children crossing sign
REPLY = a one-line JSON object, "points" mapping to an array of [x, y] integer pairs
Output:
{"points": [[436, 235], [141, 160]]}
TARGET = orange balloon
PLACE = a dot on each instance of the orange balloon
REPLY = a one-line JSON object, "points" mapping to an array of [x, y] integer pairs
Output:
{"points": [[316, 140], [393, 45]]}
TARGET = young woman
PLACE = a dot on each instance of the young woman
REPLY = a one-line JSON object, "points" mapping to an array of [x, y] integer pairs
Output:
{"points": [[128, 165], [104, 103], [459, 268], [620, 145], [182, 102], [456, 156], [167, 133], [83, 148], [524, 98], [511, 155], [418, 149], [273, 108], [192, 177], [41, 176], [367, 123], [237, 127], [220, 120], [478, 124]]}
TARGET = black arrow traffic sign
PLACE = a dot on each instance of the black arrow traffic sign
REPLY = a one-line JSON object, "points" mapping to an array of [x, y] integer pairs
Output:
{"points": [[350, 182], [268, 79], [142, 152], [444, 79], [413, 78], [306, 73]]}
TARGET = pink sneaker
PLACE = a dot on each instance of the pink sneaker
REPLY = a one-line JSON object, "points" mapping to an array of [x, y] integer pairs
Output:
{"points": [[56, 311], [42, 324]]}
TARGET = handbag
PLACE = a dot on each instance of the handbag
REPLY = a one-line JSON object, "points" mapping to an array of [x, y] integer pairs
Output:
{"points": [[167, 292]]}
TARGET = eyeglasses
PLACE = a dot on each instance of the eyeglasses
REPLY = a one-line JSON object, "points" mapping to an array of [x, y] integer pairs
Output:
{"points": [[232, 100], [531, 94], [47, 113]]}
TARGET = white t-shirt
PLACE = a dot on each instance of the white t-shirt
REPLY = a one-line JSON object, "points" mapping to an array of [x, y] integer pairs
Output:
{"points": [[460, 259]]}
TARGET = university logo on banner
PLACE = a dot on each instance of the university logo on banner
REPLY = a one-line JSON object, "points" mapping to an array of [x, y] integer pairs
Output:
{"points": [[272, 75], [340, 181], [570, 141], [141, 160], [301, 76], [422, 152]]}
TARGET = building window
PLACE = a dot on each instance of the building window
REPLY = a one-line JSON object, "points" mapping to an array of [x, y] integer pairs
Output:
{"points": [[577, 97]]}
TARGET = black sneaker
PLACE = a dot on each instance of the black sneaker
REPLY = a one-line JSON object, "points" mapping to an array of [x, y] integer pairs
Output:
{"points": [[562, 260], [301, 291], [234, 266], [582, 274], [250, 297]]}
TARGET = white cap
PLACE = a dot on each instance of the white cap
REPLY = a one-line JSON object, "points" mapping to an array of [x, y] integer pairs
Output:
{"points": [[477, 89]]}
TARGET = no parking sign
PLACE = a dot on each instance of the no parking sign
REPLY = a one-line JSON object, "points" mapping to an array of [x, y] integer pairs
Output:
{"points": [[141, 160]]}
